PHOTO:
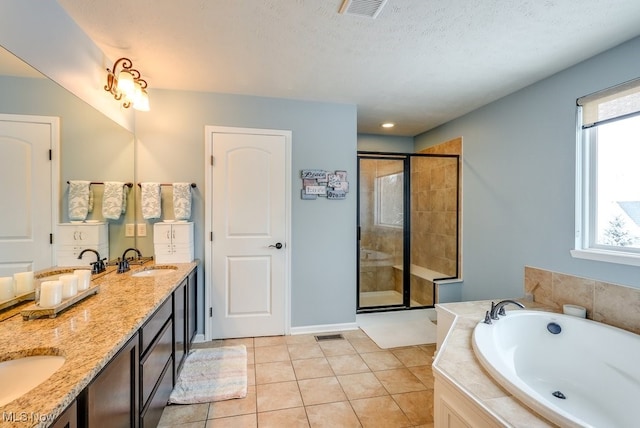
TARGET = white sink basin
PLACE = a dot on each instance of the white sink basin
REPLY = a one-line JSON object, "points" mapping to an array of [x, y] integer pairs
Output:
{"points": [[21, 375], [154, 271]]}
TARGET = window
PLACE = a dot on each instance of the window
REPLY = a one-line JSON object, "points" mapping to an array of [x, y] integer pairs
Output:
{"points": [[390, 200], [608, 175]]}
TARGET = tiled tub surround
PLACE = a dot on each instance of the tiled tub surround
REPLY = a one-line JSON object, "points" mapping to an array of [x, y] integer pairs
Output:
{"points": [[457, 368], [611, 304], [88, 335]]}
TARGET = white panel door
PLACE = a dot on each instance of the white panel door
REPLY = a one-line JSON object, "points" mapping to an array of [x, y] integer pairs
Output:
{"points": [[249, 214], [27, 192]]}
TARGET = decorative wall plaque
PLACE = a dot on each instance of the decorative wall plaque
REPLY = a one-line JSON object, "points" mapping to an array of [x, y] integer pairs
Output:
{"points": [[329, 184]]}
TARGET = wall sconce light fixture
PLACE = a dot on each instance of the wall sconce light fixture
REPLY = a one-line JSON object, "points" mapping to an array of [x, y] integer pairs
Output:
{"points": [[127, 85]]}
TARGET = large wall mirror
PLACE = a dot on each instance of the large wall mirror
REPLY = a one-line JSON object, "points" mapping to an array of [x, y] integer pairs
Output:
{"points": [[92, 146]]}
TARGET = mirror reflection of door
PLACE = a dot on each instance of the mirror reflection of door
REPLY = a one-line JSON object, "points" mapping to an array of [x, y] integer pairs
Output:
{"points": [[28, 180]]}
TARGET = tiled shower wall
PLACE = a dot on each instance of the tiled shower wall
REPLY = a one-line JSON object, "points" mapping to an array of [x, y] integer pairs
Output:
{"points": [[435, 209], [612, 304]]}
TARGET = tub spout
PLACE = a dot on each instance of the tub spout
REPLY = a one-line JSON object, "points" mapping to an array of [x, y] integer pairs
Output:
{"points": [[498, 309]]}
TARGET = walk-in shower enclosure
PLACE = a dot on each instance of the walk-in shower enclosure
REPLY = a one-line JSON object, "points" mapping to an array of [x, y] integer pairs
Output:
{"points": [[408, 232]]}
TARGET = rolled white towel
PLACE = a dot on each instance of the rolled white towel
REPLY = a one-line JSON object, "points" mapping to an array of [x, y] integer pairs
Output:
{"points": [[79, 191], [182, 201], [114, 200], [150, 200]]}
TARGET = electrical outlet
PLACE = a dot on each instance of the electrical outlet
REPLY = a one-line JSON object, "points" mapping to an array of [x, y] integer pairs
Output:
{"points": [[130, 230], [142, 229]]}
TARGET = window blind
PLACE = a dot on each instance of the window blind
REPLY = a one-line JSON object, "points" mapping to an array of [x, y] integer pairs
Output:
{"points": [[618, 102]]}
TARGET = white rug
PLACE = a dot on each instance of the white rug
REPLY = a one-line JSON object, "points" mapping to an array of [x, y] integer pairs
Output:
{"points": [[212, 374], [399, 328]]}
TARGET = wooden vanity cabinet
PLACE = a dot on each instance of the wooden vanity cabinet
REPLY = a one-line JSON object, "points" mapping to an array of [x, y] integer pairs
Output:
{"points": [[156, 364], [133, 388], [111, 400], [68, 418], [180, 299], [184, 319], [192, 308]]}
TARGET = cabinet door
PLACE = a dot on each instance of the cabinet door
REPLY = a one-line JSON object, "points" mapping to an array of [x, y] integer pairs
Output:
{"points": [[182, 233], [192, 308], [68, 418], [162, 233], [111, 399], [180, 327]]}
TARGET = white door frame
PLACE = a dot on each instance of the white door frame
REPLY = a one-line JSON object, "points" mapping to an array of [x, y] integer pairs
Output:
{"points": [[208, 229], [54, 126]]}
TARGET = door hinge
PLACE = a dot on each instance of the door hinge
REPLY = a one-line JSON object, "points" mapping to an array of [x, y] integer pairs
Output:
{"points": [[212, 160], [50, 154], [51, 238], [210, 312], [211, 236]]}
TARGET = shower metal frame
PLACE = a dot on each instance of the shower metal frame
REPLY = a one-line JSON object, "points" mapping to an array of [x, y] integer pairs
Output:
{"points": [[406, 232]]}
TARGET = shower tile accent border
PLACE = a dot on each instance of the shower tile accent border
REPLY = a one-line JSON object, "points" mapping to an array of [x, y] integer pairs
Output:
{"points": [[612, 304]]}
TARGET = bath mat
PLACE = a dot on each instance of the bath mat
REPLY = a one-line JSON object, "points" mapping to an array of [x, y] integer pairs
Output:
{"points": [[212, 374], [399, 328]]}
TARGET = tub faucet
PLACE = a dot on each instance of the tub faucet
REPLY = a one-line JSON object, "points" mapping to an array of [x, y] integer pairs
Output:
{"points": [[97, 266], [499, 308]]}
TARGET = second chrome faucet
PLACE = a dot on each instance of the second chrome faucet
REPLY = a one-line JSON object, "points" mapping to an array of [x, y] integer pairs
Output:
{"points": [[498, 309]]}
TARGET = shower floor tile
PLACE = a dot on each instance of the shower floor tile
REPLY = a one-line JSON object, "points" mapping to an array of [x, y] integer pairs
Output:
{"points": [[382, 298]]}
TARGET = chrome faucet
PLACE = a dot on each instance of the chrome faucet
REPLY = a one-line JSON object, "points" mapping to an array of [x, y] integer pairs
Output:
{"points": [[97, 266], [123, 264], [498, 309]]}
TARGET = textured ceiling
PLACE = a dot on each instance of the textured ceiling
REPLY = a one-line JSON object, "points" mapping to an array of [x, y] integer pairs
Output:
{"points": [[420, 63]]}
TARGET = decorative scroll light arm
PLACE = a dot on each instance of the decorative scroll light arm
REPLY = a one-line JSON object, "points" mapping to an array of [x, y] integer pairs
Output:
{"points": [[112, 80]]}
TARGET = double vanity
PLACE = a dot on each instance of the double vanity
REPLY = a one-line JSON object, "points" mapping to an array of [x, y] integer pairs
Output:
{"points": [[122, 348]]}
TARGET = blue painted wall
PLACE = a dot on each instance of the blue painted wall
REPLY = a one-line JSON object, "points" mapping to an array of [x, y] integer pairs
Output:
{"points": [[519, 179], [170, 147], [385, 143]]}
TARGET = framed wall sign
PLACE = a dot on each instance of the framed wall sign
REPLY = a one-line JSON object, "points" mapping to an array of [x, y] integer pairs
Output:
{"points": [[320, 183]]}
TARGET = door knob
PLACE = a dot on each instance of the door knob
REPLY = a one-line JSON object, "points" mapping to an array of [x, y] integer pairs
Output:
{"points": [[277, 246]]}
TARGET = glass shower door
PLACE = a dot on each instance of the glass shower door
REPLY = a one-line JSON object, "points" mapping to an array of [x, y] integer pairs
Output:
{"points": [[381, 232]]}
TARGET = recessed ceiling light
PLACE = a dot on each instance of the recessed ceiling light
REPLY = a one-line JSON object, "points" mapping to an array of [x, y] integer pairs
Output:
{"points": [[388, 125]]}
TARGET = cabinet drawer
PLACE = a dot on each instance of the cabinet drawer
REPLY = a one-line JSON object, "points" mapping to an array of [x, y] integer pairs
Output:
{"points": [[152, 413], [152, 365], [173, 253], [67, 255], [152, 327], [83, 234]]}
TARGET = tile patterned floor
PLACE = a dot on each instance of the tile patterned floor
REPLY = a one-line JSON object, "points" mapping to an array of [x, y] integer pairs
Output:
{"points": [[295, 381]]}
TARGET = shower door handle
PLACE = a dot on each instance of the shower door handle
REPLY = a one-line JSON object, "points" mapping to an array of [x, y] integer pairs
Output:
{"points": [[277, 246]]}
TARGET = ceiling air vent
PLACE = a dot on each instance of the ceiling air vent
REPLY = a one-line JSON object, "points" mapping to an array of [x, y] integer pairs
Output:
{"points": [[370, 8]]}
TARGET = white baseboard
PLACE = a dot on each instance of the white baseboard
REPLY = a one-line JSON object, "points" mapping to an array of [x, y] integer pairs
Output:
{"points": [[323, 328], [198, 338]]}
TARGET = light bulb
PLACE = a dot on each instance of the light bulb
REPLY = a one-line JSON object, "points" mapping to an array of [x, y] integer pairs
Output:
{"points": [[126, 86], [142, 102]]}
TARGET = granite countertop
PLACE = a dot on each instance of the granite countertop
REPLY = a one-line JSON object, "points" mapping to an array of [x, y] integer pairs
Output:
{"points": [[88, 335], [456, 361]]}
